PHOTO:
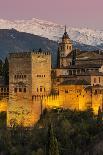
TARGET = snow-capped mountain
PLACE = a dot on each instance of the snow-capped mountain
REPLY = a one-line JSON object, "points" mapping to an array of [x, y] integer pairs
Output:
{"points": [[54, 31]]}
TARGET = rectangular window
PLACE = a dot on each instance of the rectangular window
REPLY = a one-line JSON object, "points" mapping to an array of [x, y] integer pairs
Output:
{"points": [[7, 89], [20, 89], [4, 89], [1, 89], [24, 76], [15, 90], [99, 79], [24, 90]]}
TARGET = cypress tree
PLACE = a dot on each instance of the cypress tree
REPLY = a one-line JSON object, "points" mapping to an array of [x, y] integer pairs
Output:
{"points": [[53, 148], [5, 72], [99, 116]]}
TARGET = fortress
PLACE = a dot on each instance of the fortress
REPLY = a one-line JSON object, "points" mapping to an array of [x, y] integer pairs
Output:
{"points": [[76, 83]]}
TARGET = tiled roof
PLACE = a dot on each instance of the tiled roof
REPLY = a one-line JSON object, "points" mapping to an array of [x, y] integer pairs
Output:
{"points": [[75, 82]]}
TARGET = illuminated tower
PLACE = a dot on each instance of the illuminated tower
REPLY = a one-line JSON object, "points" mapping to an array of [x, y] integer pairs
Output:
{"points": [[65, 48], [29, 78]]}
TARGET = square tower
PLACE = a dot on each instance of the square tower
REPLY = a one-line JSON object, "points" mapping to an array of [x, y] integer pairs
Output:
{"points": [[29, 77], [41, 74]]}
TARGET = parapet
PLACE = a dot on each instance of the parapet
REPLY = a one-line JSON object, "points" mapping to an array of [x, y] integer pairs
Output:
{"points": [[41, 53], [28, 54], [19, 54]]}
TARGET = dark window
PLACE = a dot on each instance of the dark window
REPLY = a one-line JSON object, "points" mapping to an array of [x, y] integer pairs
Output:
{"points": [[40, 89], [44, 89], [57, 80], [96, 92], [20, 89], [74, 72], [99, 79], [24, 90], [24, 76], [70, 72], [4, 89], [37, 89], [1, 89], [66, 91], [15, 90]]}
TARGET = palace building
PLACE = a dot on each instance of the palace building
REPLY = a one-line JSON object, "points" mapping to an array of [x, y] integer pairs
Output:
{"points": [[76, 82]]}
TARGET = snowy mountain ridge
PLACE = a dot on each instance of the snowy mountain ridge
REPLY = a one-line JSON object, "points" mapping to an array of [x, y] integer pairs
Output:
{"points": [[54, 31]]}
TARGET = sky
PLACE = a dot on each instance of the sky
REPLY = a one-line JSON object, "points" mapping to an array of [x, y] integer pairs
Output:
{"points": [[74, 13]]}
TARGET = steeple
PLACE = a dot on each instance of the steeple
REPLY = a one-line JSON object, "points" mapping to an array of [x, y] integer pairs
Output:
{"points": [[65, 35], [65, 47]]}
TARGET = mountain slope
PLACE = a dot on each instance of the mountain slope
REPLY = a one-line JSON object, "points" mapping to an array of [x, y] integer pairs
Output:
{"points": [[54, 31], [14, 41]]}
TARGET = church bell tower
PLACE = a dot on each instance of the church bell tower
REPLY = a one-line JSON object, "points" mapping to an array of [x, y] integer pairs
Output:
{"points": [[65, 47]]}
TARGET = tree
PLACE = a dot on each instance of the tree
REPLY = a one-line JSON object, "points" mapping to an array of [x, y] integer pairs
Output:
{"points": [[99, 116], [1, 67], [53, 148], [5, 72]]}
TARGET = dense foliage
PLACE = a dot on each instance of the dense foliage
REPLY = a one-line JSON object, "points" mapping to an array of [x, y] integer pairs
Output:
{"points": [[58, 132]]}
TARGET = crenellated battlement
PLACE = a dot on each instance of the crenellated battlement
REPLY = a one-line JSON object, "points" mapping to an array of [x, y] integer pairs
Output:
{"points": [[28, 54], [41, 53], [19, 54]]}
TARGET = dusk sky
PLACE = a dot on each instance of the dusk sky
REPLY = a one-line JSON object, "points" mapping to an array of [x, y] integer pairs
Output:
{"points": [[76, 13]]}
